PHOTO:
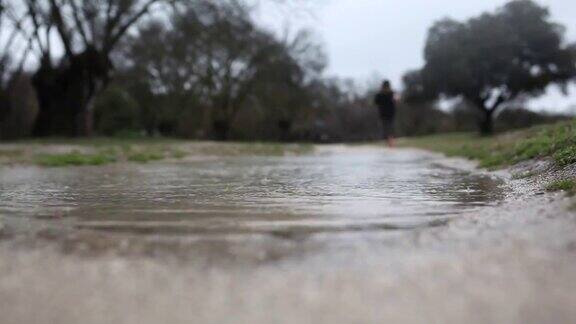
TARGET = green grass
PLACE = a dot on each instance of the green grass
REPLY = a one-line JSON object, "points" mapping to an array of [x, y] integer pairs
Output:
{"points": [[568, 185], [100, 141], [62, 152], [557, 142], [524, 175], [145, 157], [178, 154], [73, 159], [262, 148], [105, 155]]}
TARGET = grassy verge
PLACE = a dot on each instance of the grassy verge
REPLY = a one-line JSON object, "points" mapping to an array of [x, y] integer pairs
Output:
{"points": [[74, 159], [568, 185], [145, 157], [99, 141], [557, 142], [56, 152], [109, 154]]}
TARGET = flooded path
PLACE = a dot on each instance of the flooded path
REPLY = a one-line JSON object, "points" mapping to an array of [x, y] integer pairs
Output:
{"points": [[333, 189], [341, 234]]}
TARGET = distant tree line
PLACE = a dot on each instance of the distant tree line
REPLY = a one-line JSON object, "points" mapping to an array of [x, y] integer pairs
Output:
{"points": [[209, 65], [204, 69]]}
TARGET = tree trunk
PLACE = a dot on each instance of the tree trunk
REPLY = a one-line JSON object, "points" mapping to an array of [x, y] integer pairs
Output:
{"points": [[5, 109], [66, 93], [284, 125], [222, 124], [487, 122], [221, 130]]}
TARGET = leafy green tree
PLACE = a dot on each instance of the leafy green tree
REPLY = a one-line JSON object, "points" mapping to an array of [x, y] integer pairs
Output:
{"points": [[493, 59], [211, 61], [116, 112]]}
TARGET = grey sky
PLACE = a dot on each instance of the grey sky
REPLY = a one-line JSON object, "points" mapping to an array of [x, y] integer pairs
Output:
{"points": [[364, 38]]}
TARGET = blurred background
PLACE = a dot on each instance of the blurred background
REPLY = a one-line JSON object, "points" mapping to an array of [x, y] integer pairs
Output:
{"points": [[292, 71]]}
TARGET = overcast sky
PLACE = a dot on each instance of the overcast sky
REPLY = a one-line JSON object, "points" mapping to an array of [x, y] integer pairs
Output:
{"points": [[364, 38]]}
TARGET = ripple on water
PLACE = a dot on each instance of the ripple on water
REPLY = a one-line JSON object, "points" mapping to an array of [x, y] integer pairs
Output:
{"points": [[343, 191]]}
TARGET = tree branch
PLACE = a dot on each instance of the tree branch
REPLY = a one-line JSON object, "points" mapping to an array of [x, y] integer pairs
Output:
{"points": [[109, 22], [124, 28], [78, 22], [91, 18], [23, 58], [503, 96], [17, 29], [55, 10]]}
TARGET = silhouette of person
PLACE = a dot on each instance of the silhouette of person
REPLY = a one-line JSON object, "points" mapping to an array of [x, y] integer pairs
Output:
{"points": [[385, 100]]}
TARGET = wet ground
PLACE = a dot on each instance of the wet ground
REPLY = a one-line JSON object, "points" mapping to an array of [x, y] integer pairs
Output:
{"points": [[334, 189], [340, 234]]}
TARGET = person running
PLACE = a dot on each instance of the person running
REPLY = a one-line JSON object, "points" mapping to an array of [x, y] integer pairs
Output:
{"points": [[385, 100]]}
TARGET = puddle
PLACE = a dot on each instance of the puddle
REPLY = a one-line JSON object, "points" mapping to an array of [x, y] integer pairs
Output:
{"points": [[344, 190]]}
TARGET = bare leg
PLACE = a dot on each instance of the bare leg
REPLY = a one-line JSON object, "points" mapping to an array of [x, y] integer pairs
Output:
{"points": [[388, 131]]}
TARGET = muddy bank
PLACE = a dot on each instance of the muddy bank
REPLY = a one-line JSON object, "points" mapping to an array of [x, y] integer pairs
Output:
{"points": [[513, 261]]}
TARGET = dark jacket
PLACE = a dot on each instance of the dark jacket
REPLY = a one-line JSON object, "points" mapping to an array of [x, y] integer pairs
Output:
{"points": [[386, 104]]}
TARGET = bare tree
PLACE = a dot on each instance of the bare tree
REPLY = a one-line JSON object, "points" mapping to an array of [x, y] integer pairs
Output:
{"points": [[13, 54], [74, 40]]}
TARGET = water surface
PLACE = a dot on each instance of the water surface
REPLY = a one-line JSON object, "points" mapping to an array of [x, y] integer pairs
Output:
{"points": [[339, 189]]}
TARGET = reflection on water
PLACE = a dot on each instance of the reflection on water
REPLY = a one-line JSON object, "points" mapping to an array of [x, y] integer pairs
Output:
{"points": [[354, 189]]}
